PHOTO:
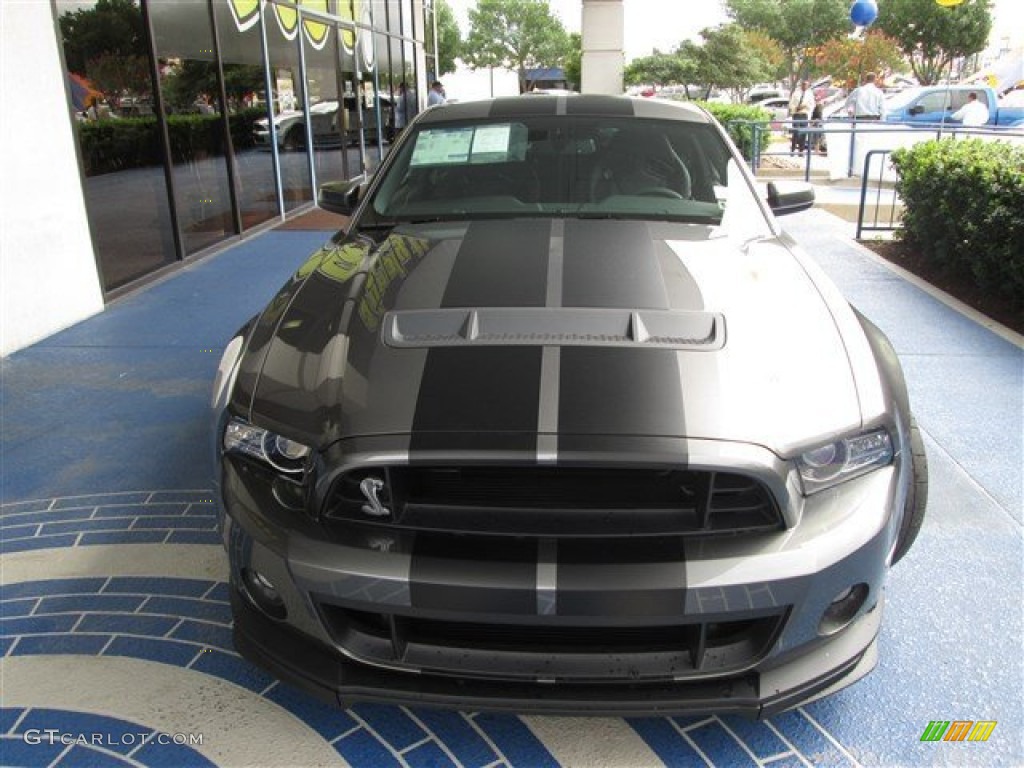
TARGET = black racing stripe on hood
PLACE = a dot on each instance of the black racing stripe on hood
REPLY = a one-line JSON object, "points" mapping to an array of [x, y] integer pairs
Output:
{"points": [[489, 577], [645, 577], [611, 264], [598, 105], [501, 264], [619, 392], [478, 398]]}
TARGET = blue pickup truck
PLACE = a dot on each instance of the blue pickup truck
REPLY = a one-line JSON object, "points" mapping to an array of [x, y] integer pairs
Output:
{"points": [[936, 104]]}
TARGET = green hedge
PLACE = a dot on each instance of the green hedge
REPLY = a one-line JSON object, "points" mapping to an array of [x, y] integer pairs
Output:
{"points": [[964, 209], [134, 142], [742, 134]]}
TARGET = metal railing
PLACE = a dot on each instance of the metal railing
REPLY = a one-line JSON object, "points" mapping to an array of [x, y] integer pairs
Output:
{"points": [[865, 181]]}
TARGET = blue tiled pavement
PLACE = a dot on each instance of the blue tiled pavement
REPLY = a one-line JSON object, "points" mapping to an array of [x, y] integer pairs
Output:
{"points": [[98, 414]]}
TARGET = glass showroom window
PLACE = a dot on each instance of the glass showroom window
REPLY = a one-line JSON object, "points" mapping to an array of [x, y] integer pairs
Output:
{"points": [[282, 23], [241, 52], [195, 122], [329, 113], [112, 97]]}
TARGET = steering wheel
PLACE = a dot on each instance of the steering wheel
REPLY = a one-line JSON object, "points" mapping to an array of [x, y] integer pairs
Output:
{"points": [[659, 192]]}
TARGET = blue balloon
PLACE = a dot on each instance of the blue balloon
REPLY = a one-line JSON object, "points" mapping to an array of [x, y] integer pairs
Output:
{"points": [[863, 12]]}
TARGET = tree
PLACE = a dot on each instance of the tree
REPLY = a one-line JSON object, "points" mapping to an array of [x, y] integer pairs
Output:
{"points": [[516, 34], [112, 27], [574, 61], [845, 60], [796, 25], [727, 60], [932, 36], [119, 77], [449, 37], [661, 69]]}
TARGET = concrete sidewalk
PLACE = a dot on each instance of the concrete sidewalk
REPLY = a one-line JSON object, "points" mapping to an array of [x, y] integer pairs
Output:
{"points": [[114, 617]]}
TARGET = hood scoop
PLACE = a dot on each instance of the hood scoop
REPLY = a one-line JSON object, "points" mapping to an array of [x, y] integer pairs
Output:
{"points": [[554, 326]]}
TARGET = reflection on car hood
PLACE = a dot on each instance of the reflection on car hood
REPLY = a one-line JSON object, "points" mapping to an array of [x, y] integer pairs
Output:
{"points": [[319, 368]]}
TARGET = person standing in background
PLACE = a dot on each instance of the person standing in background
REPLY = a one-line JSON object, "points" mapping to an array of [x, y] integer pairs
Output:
{"points": [[866, 102], [405, 107], [801, 103], [973, 113], [436, 95]]}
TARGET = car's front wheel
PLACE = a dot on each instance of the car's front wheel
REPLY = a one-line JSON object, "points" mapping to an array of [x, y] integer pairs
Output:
{"points": [[917, 495]]}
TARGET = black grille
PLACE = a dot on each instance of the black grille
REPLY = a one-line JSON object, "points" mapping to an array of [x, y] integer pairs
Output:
{"points": [[597, 653], [558, 501]]}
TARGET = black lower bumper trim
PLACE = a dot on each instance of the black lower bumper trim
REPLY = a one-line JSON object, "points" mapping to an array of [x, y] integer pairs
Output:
{"points": [[337, 680]]}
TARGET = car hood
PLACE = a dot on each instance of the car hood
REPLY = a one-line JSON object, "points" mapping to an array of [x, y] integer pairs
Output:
{"points": [[481, 335]]}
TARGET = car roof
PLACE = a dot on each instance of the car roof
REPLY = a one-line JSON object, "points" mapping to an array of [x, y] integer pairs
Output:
{"points": [[576, 104]]}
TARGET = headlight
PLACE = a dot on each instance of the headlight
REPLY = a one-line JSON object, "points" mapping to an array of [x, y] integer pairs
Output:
{"points": [[834, 463], [280, 452]]}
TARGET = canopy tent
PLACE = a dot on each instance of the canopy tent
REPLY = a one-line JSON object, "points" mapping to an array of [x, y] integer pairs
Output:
{"points": [[83, 95], [1003, 75]]}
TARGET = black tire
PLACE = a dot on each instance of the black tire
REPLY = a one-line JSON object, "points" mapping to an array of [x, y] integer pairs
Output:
{"points": [[917, 495], [295, 139]]}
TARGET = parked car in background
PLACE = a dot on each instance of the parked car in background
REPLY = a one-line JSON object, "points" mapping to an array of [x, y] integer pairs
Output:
{"points": [[563, 421], [331, 127], [935, 104], [760, 93]]}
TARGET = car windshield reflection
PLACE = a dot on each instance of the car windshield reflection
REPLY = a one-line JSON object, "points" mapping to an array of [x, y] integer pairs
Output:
{"points": [[557, 167]]}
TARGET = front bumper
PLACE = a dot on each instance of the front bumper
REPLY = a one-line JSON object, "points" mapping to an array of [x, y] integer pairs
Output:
{"points": [[334, 679], [843, 538]]}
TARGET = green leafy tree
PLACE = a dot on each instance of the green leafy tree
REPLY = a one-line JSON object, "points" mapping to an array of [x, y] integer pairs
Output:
{"points": [[111, 27], [516, 34], [449, 37], [193, 78], [119, 77], [574, 61], [796, 25], [661, 69], [727, 60], [932, 36]]}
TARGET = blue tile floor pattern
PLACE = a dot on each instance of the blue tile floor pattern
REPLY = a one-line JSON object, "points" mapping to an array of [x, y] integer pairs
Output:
{"points": [[41, 737], [187, 623], [174, 517], [119, 402]]}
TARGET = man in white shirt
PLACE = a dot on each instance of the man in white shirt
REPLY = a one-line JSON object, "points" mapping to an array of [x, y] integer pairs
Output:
{"points": [[436, 95], [973, 113], [801, 104], [866, 102]]}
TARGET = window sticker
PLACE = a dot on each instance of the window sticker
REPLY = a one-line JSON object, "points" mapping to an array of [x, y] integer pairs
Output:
{"points": [[502, 143], [447, 146], [490, 143]]}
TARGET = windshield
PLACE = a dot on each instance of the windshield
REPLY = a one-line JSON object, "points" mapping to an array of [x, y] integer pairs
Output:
{"points": [[899, 100], [558, 167]]}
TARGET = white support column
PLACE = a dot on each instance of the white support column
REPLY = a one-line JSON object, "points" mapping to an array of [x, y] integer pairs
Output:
{"points": [[48, 276], [603, 57]]}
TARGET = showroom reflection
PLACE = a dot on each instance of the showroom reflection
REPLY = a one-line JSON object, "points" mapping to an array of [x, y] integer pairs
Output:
{"points": [[196, 83]]}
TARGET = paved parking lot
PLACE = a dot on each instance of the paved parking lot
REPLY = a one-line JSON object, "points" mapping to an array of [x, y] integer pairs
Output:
{"points": [[113, 613]]}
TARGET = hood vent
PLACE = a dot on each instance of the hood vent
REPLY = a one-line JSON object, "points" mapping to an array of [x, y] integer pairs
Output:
{"points": [[554, 326]]}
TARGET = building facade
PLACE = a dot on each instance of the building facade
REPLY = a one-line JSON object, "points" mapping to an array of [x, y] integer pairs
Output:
{"points": [[176, 127]]}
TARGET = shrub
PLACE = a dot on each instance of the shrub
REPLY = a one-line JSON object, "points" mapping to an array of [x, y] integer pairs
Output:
{"points": [[741, 133], [134, 142], [964, 210]]}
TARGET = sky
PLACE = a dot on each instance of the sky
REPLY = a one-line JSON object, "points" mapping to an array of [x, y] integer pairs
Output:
{"points": [[663, 24]]}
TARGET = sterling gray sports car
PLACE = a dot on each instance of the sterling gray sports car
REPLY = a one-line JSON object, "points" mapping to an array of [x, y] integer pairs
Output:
{"points": [[563, 422]]}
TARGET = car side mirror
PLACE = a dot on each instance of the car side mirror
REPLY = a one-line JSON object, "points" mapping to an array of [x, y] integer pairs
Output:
{"points": [[789, 197], [916, 110], [341, 196]]}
